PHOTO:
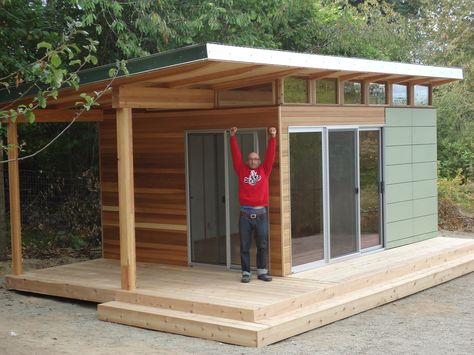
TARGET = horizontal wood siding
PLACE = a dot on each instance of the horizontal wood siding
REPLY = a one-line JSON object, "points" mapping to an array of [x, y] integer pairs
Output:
{"points": [[312, 116], [160, 181]]}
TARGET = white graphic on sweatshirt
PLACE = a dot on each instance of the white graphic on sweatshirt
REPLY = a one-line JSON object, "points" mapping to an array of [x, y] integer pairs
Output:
{"points": [[253, 178]]}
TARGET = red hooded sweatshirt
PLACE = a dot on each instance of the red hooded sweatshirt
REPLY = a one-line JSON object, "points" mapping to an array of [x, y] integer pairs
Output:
{"points": [[253, 183]]}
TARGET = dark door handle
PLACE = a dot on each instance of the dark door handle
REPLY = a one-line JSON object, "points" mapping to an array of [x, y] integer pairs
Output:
{"points": [[356, 190]]}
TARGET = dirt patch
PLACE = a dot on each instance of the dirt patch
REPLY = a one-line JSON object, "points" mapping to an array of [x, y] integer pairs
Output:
{"points": [[451, 217]]}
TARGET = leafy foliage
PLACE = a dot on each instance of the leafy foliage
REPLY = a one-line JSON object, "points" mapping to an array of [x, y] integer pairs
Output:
{"points": [[59, 37]]}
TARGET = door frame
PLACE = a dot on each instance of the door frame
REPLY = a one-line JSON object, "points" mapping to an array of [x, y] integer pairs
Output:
{"points": [[227, 164], [188, 204], [326, 214]]}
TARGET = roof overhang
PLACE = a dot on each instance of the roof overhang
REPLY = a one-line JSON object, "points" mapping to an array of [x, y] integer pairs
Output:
{"points": [[219, 67]]}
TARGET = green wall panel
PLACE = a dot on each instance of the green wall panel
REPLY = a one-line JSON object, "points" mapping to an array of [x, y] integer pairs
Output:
{"points": [[398, 117], [400, 229], [410, 170], [410, 240], [399, 211], [425, 224], [423, 153], [398, 136], [425, 206], [400, 154], [399, 192], [424, 171], [424, 188], [424, 135], [423, 117], [395, 174]]}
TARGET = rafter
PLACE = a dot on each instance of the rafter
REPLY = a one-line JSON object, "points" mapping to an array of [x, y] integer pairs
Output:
{"points": [[351, 76], [208, 77], [324, 74], [256, 79]]}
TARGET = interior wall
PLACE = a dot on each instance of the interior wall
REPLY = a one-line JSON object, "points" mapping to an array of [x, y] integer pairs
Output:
{"points": [[411, 202], [160, 181]]}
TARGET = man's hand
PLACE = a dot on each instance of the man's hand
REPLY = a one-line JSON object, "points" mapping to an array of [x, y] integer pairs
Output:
{"points": [[233, 131], [272, 131]]}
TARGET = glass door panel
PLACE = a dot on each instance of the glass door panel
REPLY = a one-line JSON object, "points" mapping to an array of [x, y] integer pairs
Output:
{"points": [[306, 185], [342, 148], [369, 157], [207, 198]]}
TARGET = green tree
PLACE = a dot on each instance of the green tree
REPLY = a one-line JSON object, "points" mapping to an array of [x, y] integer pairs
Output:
{"points": [[449, 41]]}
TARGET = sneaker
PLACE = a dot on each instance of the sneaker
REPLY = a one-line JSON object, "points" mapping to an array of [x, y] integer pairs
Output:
{"points": [[265, 277], [245, 279]]}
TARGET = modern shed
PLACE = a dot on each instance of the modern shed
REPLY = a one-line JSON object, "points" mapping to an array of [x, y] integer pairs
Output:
{"points": [[355, 175]]}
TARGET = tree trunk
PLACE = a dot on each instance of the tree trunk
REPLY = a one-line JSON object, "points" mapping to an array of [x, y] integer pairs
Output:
{"points": [[3, 222]]}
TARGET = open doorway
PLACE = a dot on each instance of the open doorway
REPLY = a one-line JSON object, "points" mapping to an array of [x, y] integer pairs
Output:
{"points": [[212, 190]]}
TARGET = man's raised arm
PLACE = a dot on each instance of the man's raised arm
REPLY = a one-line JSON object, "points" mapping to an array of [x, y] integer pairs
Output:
{"points": [[235, 150], [270, 154]]}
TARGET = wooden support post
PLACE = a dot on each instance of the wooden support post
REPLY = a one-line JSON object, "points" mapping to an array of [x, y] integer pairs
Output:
{"points": [[411, 95], [14, 189], [126, 198], [365, 92], [389, 93], [340, 91]]}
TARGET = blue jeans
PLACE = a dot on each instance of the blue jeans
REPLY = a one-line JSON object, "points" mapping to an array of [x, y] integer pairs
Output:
{"points": [[248, 226]]}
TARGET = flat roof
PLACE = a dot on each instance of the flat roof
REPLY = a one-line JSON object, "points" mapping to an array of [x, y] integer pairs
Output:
{"points": [[220, 66]]}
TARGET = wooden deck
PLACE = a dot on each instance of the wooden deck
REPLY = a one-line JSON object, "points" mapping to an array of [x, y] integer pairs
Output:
{"points": [[213, 304]]}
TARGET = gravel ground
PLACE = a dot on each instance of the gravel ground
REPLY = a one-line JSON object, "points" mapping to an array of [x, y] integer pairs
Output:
{"points": [[439, 320]]}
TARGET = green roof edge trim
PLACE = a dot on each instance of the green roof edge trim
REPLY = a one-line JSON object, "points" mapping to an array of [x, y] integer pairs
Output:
{"points": [[135, 66]]}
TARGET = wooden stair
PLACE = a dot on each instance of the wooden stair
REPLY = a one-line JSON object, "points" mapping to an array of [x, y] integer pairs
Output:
{"points": [[261, 326]]}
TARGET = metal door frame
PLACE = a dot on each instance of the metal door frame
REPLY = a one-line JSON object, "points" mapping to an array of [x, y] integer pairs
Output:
{"points": [[326, 202]]}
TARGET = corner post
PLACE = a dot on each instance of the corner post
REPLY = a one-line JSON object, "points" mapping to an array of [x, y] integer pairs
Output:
{"points": [[14, 190], [126, 198]]}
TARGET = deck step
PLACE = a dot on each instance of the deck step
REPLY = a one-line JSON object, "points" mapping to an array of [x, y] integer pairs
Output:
{"points": [[407, 266], [272, 329], [215, 328], [353, 283], [343, 306]]}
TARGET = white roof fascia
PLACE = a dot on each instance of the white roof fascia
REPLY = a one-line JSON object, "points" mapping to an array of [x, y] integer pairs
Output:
{"points": [[315, 61]]}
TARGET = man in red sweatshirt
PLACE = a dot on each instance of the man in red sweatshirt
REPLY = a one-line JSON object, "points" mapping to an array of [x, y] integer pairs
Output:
{"points": [[253, 197]]}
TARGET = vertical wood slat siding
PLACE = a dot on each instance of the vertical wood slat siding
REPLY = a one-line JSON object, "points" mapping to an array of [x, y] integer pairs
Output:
{"points": [[312, 116], [411, 179], [160, 181]]}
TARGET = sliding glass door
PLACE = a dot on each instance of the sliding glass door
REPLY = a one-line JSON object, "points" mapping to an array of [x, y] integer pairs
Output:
{"points": [[343, 190], [306, 181], [370, 189], [335, 179]]}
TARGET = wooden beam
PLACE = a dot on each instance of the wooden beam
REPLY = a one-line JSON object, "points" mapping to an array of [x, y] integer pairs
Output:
{"points": [[441, 82], [401, 80], [14, 190], [376, 78], [365, 92], [389, 93], [51, 115], [324, 74], [340, 91], [410, 95], [209, 77], [430, 95], [231, 84], [126, 198], [351, 76], [164, 98]]}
